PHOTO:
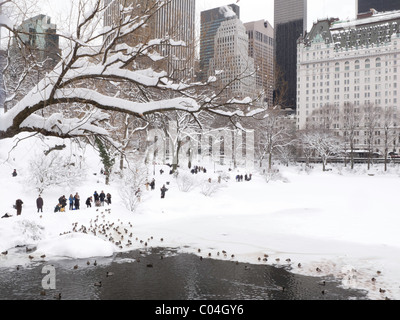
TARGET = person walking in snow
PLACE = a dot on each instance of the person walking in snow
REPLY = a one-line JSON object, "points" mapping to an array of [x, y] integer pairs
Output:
{"points": [[102, 197], [163, 191], [18, 206], [71, 202], [14, 174], [77, 199], [153, 184], [89, 202], [108, 198], [39, 204], [96, 196]]}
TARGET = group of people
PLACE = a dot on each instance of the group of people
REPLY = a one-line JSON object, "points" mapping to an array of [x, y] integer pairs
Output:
{"points": [[99, 199], [73, 201], [247, 177], [197, 169], [152, 185]]}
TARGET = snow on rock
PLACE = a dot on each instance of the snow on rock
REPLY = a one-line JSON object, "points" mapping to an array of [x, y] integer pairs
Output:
{"points": [[76, 245]]}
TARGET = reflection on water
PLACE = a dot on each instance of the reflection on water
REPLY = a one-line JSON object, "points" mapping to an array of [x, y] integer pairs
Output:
{"points": [[163, 274]]}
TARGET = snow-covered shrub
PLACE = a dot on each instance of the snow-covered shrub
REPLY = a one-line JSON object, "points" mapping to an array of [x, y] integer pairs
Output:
{"points": [[131, 181], [29, 230], [274, 175], [209, 188], [55, 169], [224, 176], [185, 182]]}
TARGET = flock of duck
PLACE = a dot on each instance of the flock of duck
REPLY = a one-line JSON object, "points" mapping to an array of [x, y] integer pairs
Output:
{"points": [[119, 235]]}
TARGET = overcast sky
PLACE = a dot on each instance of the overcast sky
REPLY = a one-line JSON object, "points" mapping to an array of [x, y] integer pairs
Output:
{"points": [[250, 10]]}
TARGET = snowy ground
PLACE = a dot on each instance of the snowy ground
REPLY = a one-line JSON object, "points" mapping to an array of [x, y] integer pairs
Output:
{"points": [[345, 224]]}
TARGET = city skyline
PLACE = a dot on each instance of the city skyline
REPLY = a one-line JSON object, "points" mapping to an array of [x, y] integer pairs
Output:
{"points": [[251, 10]]}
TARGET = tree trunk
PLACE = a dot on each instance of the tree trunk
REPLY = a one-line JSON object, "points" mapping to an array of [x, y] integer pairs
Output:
{"points": [[176, 157]]}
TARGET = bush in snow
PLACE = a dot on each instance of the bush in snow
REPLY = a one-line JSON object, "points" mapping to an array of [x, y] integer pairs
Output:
{"points": [[55, 169], [274, 175], [132, 180], [185, 182], [209, 188]]}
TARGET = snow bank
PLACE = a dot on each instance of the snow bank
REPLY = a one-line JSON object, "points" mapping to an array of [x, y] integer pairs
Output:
{"points": [[76, 246]]}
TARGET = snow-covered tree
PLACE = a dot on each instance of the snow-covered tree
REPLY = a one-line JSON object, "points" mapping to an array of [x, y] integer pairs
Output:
{"points": [[55, 169], [351, 116], [322, 142], [390, 131], [275, 135], [95, 54], [132, 180], [372, 121]]}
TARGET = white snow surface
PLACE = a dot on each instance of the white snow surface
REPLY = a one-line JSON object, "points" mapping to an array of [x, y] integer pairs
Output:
{"points": [[345, 223]]}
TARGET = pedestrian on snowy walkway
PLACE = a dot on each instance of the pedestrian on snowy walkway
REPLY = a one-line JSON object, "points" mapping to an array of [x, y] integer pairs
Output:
{"points": [[89, 202], [108, 198], [77, 200], [18, 206], [71, 202], [163, 191], [102, 197], [39, 204]]}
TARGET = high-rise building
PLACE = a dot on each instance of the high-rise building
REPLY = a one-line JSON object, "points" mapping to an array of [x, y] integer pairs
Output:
{"points": [[347, 66], [232, 62], [261, 49], [290, 22], [40, 37], [210, 21], [379, 5], [174, 20]]}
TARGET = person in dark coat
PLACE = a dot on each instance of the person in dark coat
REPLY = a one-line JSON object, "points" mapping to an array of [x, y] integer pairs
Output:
{"points": [[163, 191], [96, 196], [77, 200], [89, 202], [153, 184], [39, 204], [108, 198], [14, 174], [102, 197], [18, 206], [63, 201]]}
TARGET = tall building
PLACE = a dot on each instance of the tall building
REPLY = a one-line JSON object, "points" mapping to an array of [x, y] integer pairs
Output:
{"points": [[40, 37], [175, 20], [290, 22], [231, 60], [261, 49], [379, 5], [210, 21], [349, 64]]}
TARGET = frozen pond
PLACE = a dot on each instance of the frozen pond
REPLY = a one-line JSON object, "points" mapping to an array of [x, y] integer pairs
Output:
{"points": [[165, 274]]}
